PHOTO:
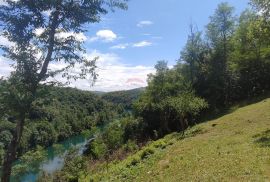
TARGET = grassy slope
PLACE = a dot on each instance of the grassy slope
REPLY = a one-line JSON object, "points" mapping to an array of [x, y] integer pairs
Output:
{"points": [[235, 147]]}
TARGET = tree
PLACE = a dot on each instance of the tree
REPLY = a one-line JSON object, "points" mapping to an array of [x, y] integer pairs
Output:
{"points": [[192, 52], [156, 105], [42, 32], [263, 7], [219, 32], [250, 58], [221, 28]]}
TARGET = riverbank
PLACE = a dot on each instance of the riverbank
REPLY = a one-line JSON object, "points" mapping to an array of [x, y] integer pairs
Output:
{"points": [[47, 160]]}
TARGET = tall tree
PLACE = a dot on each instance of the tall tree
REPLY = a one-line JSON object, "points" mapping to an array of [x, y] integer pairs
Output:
{"points": [[250, 58], [194, 57], [219, 32], [42, 32]]}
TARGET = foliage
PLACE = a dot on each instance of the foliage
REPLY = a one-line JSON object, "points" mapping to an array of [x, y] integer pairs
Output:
{"points": [[29, 162], [74, 166], [168, 102], [124, 98], [43, 133], [224, 140], [5, 137], [118, 134], [97, 149], [250, 60], [231, 63], [64, 112], [2, 153]]}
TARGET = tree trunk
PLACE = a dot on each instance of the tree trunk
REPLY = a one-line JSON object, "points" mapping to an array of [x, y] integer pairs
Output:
{"points": [[10, 155]]}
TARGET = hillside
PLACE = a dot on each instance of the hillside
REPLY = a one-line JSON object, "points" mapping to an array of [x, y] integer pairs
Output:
{"points": [[59, 114], [124, 98], [235, 147]]}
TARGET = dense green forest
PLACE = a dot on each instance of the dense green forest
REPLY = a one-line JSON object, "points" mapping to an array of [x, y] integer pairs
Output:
{"points": [[226, 63], [124, 98], [63, 113]]}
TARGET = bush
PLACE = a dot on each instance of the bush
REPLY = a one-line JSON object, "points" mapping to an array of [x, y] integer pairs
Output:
{"points": [[113, 136], [160, 144], [97, 149], [133, 161], [147, 152], [130, 146], [133, 128], [29, 162]]}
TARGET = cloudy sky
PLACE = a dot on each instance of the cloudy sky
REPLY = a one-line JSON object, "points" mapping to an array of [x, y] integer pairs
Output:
{"points": [[129, 43]]}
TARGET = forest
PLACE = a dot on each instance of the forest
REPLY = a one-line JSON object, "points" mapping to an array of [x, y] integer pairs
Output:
{"points": [[220, 66]]}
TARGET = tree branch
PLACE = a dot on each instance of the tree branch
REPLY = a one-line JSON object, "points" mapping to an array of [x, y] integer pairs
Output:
{"points": [[50, 46]]}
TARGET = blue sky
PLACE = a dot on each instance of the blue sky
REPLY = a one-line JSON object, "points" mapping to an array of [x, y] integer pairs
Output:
{"points": [[129, 43], [166, 28]]}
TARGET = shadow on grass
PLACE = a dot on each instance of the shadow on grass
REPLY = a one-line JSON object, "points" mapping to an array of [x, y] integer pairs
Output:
{"points": [[263, 139], [219, 112]]}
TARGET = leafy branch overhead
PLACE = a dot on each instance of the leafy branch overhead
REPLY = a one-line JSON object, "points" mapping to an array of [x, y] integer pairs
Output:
{"points": [[45, 31]]}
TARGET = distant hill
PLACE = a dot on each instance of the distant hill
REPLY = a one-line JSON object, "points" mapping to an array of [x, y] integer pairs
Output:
{"points": [[125, 98], [100, 93]]}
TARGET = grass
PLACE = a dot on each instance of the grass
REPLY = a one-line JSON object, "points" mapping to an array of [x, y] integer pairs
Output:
{"points": [[235, 147]]}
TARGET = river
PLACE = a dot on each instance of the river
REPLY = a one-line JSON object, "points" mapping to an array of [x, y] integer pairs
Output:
{"points": [[54, 160]]}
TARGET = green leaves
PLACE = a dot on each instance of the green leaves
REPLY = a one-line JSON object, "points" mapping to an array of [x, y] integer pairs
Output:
{"points": [[29, 162], [263, 7], [186, 104]]}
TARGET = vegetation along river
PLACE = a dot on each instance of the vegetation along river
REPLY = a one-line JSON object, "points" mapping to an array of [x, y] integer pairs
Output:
{"points": [[54, 160]]}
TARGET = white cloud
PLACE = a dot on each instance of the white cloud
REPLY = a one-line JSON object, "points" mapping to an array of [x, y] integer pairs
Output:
{"points": [[39, 31], [142, 44], [63, 35], [136, 44], [47, 13], [5, 67], [104, 35], [3, 2], [144, 23], [78, 36], [120, 46], [5, 41], [113, 75]]}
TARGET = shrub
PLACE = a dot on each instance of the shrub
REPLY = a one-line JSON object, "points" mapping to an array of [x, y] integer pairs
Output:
{"points": [[133, 161], [113, 136], [147, 152], [160, 144], [130, 146], [97, 149]]}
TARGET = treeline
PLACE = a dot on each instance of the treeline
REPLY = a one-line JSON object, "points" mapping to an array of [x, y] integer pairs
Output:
{"points": [[227, 63], [123, 98], [64, 112]]}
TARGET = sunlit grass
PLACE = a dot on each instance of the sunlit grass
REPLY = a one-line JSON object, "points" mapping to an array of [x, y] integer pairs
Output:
{"points": [[235, 147]]}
